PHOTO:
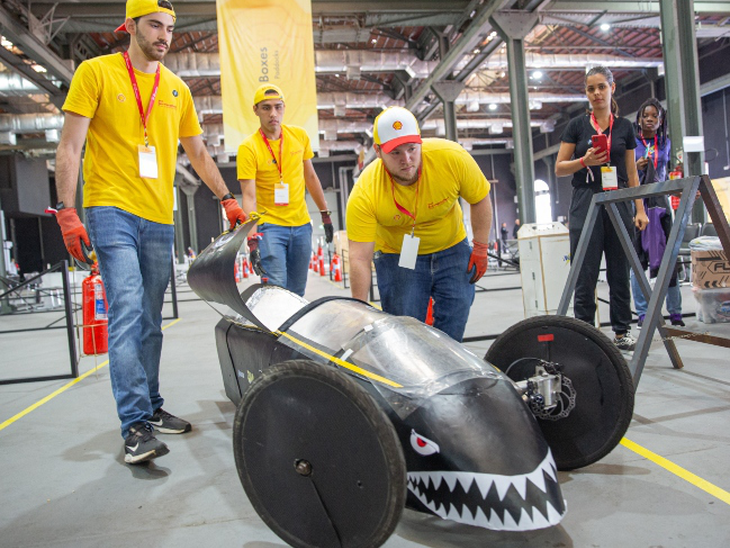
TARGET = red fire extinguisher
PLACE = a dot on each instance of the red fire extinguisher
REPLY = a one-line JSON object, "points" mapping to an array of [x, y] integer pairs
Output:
{"points": [[96, 336]]}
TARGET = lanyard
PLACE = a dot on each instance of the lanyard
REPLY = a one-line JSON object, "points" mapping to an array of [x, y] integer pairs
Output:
{"points": [[281, 152], [137, 95], [400, 207], [594, 122], [656, 150]]}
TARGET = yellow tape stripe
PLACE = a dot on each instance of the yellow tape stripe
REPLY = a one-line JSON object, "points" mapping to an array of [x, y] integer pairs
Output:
{"points": [[686, 475], [342, 363], [61, 390]]}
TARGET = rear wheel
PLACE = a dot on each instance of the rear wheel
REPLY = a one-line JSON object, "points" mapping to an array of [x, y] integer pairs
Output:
{"points": [[600, 377], [318, 458]]}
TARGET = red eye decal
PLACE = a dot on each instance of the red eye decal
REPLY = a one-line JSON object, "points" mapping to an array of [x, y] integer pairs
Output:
{"points": [[423, 446]]}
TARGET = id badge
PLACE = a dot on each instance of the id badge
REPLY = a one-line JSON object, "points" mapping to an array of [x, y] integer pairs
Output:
{"points": [[147, 162], [409, 252], [609, 179], [281, 194]]}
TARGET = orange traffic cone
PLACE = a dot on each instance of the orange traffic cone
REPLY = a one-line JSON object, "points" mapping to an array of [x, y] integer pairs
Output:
{"points": [[311, 262], [236, 272], [429, 313], [336, 269], [315, 264], [321, 265], [246, 270]]}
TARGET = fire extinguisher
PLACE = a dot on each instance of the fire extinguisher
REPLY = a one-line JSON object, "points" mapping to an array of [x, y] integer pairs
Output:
{"points": [[96, 336]]}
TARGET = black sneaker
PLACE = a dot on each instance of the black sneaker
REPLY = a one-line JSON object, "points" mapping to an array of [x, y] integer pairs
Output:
{"points": [[141, 444], [166, 423], [676, 319], [627, 342]]}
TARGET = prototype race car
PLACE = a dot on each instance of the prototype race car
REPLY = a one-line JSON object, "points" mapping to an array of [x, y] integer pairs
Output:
{"points": [[346, 414]]}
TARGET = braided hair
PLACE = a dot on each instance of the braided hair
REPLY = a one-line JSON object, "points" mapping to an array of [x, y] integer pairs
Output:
{"points": [[608, 75], [661, 131]]}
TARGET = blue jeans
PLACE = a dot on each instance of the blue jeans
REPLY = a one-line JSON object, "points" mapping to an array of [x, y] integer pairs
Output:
{"points": [[134, 263], [285, 254], [674, 298], [441, 275]]}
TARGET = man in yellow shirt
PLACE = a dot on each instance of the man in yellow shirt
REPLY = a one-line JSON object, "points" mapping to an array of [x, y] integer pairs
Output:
{"points": [[404, 215], [131, 110], [274, 168]]}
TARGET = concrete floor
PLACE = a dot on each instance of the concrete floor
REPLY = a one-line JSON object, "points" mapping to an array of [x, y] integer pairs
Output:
{"points": [[64, 482]]}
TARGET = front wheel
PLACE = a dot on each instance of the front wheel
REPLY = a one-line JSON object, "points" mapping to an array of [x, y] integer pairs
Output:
{"points": [[600, 377], [319, 460]]}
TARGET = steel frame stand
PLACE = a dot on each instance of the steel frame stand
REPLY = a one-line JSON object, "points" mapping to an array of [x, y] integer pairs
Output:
{"points": [[653, 320]]}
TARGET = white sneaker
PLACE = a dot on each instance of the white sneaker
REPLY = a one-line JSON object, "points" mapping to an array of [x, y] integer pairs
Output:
{"points": [[627, 342]]}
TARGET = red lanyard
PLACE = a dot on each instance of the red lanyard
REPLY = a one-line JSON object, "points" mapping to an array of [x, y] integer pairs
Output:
{"points": [[137, 95], [281, 152], [594, 122], [400, 207], [656, 150]]}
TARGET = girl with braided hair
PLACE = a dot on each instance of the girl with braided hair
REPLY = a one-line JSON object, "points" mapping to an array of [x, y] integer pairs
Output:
{"points": [[653, 151]]}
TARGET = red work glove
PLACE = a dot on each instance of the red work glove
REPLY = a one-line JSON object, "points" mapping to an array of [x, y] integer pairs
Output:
{"points": [[74, 234], [234, 212], [478, 261]]}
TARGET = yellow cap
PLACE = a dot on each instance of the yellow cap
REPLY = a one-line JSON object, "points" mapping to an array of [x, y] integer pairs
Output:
{"points": [[140, 8], [266, 92]]}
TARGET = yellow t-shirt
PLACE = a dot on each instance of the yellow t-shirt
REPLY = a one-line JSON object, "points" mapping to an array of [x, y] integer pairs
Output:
{"points": [[254, 161], [448, 172], [102, 90]]}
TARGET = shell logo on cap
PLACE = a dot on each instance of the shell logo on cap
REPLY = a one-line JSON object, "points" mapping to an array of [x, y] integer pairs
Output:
{"points": [[397, 125]]}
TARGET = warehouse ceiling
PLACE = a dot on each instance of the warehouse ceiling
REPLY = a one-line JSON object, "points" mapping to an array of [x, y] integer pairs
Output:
{"points": [[368, 54]]}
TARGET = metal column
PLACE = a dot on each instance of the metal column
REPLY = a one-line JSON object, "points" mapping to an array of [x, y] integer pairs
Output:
{"points": [[513, 27], [448, 91]]}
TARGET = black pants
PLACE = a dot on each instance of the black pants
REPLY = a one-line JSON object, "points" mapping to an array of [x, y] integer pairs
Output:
{"points": [[604, 239]]}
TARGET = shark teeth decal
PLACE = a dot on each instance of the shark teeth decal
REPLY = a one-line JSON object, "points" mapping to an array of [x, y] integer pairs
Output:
{"points": [[501, 503]]}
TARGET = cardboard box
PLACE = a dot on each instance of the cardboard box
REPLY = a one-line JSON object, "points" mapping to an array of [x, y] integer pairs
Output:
{"points": [[710, 269]]}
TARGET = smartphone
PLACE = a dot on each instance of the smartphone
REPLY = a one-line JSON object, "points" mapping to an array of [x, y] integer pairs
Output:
{"points": [[600, 143]]}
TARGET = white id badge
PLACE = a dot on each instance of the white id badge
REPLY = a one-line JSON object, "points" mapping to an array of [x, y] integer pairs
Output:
{"points": [[281, 194], [609, 179], [147, 162], [409, 252]]}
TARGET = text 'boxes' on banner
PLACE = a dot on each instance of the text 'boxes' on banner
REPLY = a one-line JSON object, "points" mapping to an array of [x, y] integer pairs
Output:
{"points": [[264, 41]]}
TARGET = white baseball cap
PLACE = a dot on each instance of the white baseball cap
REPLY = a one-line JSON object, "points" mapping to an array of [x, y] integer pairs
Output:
{"points": [[395, 126]]}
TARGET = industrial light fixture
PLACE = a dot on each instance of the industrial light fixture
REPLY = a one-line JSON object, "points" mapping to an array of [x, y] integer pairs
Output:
{"points": [[605, 27], [537, 75], [492, 106]]}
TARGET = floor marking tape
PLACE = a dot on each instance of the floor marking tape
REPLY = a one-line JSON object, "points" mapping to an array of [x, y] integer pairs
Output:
{"points": [[65, 387], [677, 470]]}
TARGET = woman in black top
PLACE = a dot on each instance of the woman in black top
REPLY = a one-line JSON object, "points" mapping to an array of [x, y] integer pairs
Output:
{"points": [[594, 170]]}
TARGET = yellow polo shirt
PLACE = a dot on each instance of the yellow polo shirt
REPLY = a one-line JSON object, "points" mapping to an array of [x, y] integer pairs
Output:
{"points": [[254, 161], [448, 172], [101, 89]]}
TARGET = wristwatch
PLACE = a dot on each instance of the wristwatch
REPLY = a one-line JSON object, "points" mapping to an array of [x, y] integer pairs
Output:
{"points": [[228, 196], [325, 211], [59, 206]]}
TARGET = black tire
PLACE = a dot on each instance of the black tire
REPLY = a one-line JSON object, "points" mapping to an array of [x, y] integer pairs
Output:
{"points": [[318, 458], [604, 399]]}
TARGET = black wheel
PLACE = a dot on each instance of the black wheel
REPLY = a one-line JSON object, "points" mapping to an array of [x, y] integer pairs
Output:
{"points": [[600, 377], [318, 458]]}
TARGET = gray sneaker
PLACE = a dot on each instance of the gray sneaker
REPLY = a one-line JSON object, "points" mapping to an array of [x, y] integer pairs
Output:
{"points": [[167, 423], [627, 342], [141, 445]]}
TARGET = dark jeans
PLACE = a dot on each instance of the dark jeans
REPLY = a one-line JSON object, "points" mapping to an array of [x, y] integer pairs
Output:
{"points": [[604, 239], [441, 275]]}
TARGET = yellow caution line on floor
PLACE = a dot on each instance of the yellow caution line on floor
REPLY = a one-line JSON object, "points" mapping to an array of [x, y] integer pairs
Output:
{"points": [[65, 387], [677, 470]]}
